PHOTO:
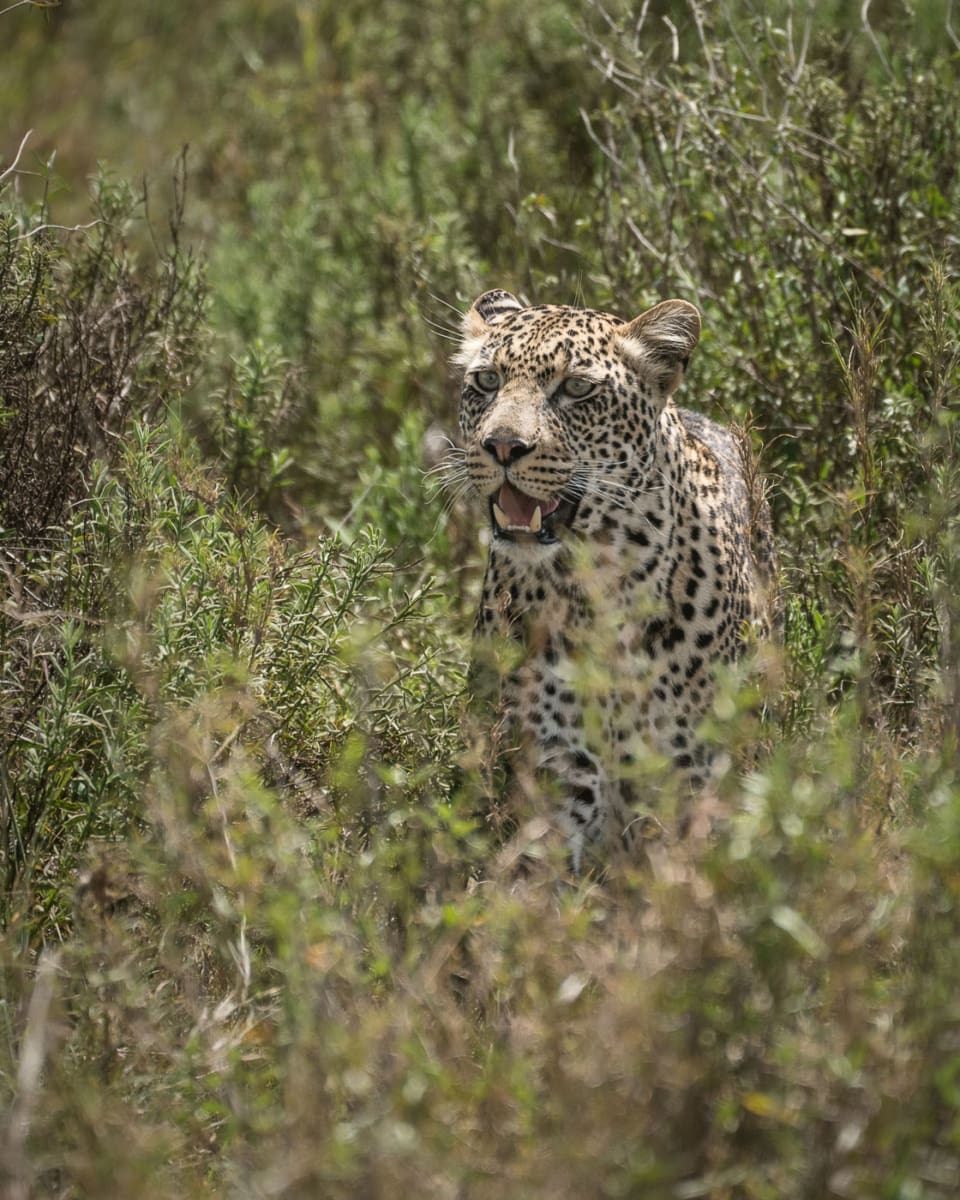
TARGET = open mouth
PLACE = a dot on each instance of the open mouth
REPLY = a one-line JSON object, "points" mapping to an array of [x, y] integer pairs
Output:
{"points": [[519, 516]]}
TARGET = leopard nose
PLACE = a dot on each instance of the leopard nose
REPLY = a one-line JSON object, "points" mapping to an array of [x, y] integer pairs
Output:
{"points": [[507, 449]]}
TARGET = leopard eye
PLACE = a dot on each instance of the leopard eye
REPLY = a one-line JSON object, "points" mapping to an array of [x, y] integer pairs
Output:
{"points": [[578, 387], [487, 381]]}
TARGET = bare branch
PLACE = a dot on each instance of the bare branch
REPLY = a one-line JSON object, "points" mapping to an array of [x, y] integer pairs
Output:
{"points": [[607, 151], [31, 4], [675, 36], [66, 228], [951, 32], [701, 33], [868, 29], [640, 23], [13, 165], [34, 1050]]}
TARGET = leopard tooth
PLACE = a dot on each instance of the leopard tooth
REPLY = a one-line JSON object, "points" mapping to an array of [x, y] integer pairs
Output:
{"points": [[500, 516], [536, 521]]}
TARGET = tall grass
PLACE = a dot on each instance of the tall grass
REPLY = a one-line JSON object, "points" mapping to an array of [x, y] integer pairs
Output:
{"points": [[260, 937]]}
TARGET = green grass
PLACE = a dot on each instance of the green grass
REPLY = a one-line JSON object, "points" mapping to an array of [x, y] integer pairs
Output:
{"points": [[261, 928]]}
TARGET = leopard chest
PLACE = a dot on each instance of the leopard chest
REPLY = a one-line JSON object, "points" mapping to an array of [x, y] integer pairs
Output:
{"points": [[623, 635]]}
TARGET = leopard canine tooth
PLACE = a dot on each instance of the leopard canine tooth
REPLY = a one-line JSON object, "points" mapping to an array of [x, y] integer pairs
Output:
{"points": [[536, 521], [500, 516]]}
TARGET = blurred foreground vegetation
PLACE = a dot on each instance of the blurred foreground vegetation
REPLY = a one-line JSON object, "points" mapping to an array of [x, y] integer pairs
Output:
{"points": [[257, 940]]}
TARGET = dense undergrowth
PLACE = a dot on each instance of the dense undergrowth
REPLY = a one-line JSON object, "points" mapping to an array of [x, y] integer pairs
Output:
{"points": [[257, 938]]}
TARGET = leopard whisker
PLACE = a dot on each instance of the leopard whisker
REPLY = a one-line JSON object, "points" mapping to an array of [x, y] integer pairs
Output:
{"points": [[597, 480], [455, 482], [594, 480], [450, 476], [451, 331], [447, 335], [454, 498], [454, 460], [446, 304]]}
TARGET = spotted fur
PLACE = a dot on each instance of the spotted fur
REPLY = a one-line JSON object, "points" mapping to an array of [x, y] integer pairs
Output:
{"points": [[623, 529]]}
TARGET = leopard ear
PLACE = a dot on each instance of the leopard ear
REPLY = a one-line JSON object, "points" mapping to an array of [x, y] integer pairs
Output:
{"points": [[660, 341], [487, 310]]}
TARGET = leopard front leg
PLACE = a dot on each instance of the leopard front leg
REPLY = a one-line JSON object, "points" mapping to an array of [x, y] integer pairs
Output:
{"points": [[590, 809]]}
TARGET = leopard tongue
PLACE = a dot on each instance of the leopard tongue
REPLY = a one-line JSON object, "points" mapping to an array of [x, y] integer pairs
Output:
{"points": [[514, 509]]}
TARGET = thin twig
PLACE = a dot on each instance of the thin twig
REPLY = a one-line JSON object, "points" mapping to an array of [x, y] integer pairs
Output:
{"points": [[13, 165], [32, 4], [34, 1050], [606, 151], [674, 36], [701, 33], [868, 29], [66, 229], [951, 33]]}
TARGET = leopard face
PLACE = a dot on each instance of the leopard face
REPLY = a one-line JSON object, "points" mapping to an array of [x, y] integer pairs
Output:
{"points": [[558, 406]]}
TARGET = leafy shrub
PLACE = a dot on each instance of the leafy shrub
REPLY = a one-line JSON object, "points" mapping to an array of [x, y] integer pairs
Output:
{"points": [[308, 654], [256, 940], [89, 342]]}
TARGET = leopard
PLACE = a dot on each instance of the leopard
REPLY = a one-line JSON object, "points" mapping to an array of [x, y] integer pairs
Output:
{"points": [[630, 554]]}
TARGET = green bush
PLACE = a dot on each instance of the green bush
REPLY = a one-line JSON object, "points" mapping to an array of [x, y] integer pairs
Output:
{"points": [[258, 938], [319, 661], [90, 340]]}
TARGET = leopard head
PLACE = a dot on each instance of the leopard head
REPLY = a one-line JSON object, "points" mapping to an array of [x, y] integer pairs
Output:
{"points": [[560, 403]]}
